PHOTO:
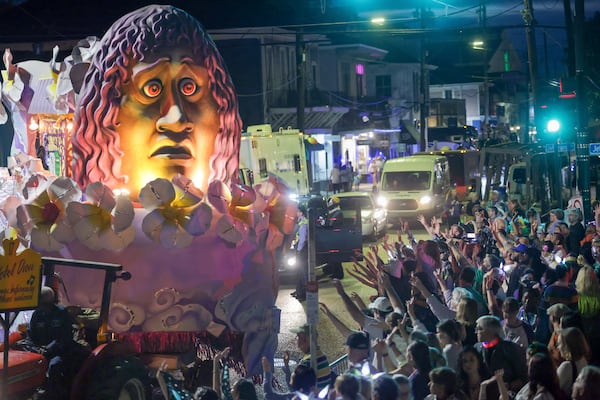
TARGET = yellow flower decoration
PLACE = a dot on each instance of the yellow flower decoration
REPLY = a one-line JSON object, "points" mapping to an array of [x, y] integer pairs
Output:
{"points": [[104, 221], [44, 218], [176, 212]]}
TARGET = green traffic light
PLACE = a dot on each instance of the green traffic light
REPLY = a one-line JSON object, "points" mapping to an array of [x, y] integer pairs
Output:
{"points": [[553, 126]]}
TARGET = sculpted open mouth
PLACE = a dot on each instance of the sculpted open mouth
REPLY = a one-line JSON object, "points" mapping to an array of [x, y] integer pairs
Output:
{"points": [[172, 152]]}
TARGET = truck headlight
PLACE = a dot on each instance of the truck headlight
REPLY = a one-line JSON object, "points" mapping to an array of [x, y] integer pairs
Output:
{"points": [[382, 201], [291, 261], [425, 200]]}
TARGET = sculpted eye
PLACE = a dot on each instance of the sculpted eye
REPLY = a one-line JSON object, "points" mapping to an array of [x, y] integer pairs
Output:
{"points": [[153, 88], [188, 87]]}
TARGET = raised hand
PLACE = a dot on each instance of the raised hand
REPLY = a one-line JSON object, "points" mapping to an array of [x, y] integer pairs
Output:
{"points": [[222, 355], [266, 365], [286, 358]]}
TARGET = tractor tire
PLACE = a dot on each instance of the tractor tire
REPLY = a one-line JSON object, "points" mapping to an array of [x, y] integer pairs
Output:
{"points": [[336, 270], [120, 378]]}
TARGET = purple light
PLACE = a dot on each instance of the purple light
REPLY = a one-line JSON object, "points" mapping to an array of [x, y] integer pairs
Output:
{"points": [[360, 69]]}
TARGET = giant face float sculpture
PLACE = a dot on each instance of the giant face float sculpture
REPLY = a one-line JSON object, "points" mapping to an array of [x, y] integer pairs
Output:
{"points": [[157, 122]]}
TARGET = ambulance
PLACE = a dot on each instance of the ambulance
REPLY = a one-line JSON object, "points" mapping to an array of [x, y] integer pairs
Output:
{"points": [[414, 185]]}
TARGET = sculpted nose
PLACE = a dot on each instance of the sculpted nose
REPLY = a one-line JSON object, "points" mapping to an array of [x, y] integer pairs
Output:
{"points": [[174, 120]]}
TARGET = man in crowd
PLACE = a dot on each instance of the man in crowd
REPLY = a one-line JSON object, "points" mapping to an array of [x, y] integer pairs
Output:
{"points": [[498, 353], [303, 343]]}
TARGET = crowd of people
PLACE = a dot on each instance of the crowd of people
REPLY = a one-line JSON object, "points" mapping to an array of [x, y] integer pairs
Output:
{"points": [[495, 305]]}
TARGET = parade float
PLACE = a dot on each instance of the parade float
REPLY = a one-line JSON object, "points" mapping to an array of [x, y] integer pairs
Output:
{"points": [[134, 161]]}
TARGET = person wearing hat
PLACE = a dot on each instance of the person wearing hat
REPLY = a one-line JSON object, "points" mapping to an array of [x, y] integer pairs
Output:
{"points": [[521, 259], [359, 350], [301, 247], [335, 216], [380, 307], [303, 342]]}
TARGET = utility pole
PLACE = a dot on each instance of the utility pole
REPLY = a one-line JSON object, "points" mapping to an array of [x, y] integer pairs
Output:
{"points": [[570, 40], [486, 87], [532, 59], [582, 148], [424, 86], [300, 61]]}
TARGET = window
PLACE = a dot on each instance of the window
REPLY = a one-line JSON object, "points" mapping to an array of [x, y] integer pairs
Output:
{"points": [[383, 86], [447, 94]]}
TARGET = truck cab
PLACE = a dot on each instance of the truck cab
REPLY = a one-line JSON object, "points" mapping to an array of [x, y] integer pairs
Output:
{"points": [[414, 185], [335, 243]]}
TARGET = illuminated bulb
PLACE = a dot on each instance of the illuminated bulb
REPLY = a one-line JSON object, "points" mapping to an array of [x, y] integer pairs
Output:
{"points": [[33, 125], [121, 192], [69, 125]]}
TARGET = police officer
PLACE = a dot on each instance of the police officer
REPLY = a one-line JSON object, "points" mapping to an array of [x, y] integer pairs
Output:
{"points": [[301, 254]]}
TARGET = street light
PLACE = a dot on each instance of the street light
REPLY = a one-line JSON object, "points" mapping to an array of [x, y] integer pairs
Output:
{"points": [[478, 45], [553, 125], [378, 21]]}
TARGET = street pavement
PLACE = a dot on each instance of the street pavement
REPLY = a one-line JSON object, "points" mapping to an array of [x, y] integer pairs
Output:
{"points": [[293, 312]]}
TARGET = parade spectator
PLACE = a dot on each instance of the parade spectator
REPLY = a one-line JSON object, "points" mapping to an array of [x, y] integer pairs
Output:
{"points": [[514, 329], [403, 386], [358, 350], [543, 381], [499, 354], [587, 385], [556, 216], [385, 388], [466, 278], [449, 333], [335, 178], [397, 339], [588, 290], [574, 349], [560, 291], [466, 310], [531, 313], [346, 176], [443, 385], [576, 230], [520, 260], [303, 380], [381, 307], [588, 305], [472, 372], [303, 343], [555, 313], [347, 387], [366, 387], [419, 359]]}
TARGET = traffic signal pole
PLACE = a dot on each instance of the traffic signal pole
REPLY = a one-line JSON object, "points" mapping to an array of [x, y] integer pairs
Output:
{"points": [[532, 59], [582, 147]]}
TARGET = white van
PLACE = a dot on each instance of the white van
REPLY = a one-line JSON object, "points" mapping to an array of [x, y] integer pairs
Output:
{"points": [[415, 185]]}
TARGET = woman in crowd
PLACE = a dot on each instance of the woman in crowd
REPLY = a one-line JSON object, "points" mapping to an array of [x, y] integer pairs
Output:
{"points": [[543, 381], [588, 289], [588, 304], [443, 385], [587, 385], [574, 348], [471, 372], [449, 333]]}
